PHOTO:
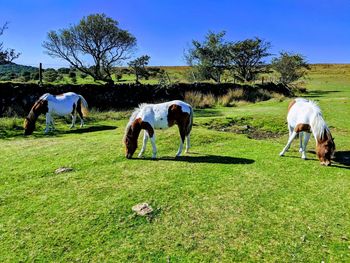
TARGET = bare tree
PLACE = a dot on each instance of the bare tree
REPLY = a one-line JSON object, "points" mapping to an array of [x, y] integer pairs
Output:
{"points": [[96, 36], [6, 55]]}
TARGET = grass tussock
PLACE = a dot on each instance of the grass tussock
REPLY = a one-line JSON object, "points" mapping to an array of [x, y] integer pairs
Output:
{"points": [[199, 100], [230, 98]]}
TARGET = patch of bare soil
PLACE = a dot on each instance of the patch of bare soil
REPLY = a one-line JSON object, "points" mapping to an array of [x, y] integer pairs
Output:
{"points": [[241, 126]]}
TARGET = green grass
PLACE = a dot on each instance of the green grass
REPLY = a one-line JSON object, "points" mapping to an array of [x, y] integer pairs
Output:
{"points": [[231, 199]]}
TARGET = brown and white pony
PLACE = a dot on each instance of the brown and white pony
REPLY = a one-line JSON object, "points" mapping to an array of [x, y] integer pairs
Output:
{"points": [[158, 116], [304, 117], [64, 104]]}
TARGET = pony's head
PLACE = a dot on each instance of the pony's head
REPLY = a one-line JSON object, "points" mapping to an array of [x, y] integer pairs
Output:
{"points": [[325, 149], [132, 132], [29, 126], [39, 107]]}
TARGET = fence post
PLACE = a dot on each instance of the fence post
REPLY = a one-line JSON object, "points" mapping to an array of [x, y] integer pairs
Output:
{"points": [[40, 73]]}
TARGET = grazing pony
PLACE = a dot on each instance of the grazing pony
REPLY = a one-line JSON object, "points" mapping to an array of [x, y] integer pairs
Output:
{"points": [[304, 117], [158, 116], [63, 104]]}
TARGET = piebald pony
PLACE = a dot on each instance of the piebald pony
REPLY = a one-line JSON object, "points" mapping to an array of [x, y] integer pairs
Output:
{"points": [[64, 104], [158, 116], [305, 117]]}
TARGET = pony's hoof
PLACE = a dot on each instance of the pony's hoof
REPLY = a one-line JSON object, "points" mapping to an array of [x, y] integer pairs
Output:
{"points": [[301, 150], [281, 153]]}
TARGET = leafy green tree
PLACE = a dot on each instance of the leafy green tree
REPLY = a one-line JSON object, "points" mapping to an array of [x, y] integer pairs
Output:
{"points": [[138, 67], [6, 55], [34, 75], [63, 70], [83, 75], [118, 74], [290, 66], [96, 36], [73, 76], [247, 58], [26, 76], [211, 57], [50, 75]]}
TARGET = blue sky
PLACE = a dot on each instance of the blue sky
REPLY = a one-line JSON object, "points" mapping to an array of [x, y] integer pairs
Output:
{"points": [[320, 29]]}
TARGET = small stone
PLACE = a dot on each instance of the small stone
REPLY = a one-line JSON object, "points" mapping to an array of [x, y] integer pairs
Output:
{"points": [[303, 238], [63, 170], [142, 209]]}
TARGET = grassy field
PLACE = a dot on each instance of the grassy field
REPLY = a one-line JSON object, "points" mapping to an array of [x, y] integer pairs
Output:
{"points": [[231, 199]]}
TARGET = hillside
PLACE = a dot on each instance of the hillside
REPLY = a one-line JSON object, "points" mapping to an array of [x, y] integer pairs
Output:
{"points": [[15, 68]]}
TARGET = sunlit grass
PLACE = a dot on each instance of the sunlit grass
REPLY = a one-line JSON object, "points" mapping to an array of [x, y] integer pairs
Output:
{"points": [[231, 199]]}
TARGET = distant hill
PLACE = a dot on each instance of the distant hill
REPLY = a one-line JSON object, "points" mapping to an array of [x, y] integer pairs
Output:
{"points": [[15, 68]]}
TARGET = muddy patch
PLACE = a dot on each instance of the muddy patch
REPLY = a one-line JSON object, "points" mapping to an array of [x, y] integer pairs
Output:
{"points": [[241, 126]]}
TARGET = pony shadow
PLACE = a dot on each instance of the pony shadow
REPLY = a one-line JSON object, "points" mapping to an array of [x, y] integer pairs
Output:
{"points": [[205, 159], [91, 129], [342, 157], [59, 133]]}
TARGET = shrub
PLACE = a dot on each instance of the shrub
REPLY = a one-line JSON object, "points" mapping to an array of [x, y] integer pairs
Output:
{"points": [[230, 97], [73, 76], [200, 100], [83, 75], [50, 75], [63, 70], [34, 75], [26, 76]]}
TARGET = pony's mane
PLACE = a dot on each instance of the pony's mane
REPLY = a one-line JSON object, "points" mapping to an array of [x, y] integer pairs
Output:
{"points": [[135, 112], [133, 117], [318, 124], [44, 97]]}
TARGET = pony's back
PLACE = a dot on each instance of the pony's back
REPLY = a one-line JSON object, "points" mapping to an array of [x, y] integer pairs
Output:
{"points": [[307, 112], [302, 112]]}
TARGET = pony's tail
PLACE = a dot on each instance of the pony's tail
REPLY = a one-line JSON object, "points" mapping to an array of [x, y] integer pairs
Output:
{"points": [[190, 123], [84, 106]]}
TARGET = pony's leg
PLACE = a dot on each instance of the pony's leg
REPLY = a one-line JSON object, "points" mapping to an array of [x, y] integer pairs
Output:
{"points": [[306, 140], [81, 118], [291, 138], [74, 118], [154, 148], [52, 123], [145, 139], [48, 120], [187, 143], [182, 140], [81, 122], [301, 136], [290, 129], [179, 151]]}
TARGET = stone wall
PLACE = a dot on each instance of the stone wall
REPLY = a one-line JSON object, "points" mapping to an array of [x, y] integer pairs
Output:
{"points": [[18, 98]]}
